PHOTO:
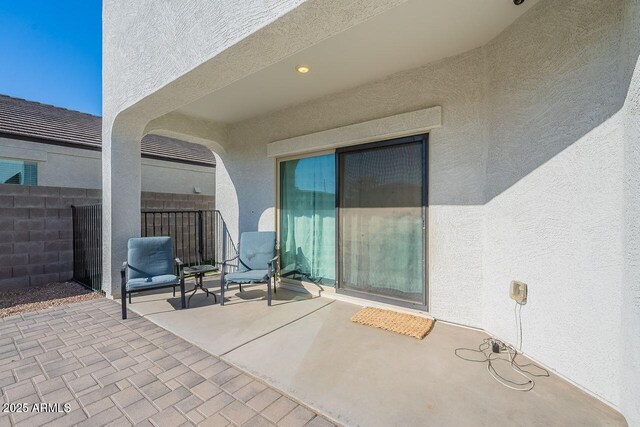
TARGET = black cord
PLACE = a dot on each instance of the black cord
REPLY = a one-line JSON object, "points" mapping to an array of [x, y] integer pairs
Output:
{"points": [[489, 357]]}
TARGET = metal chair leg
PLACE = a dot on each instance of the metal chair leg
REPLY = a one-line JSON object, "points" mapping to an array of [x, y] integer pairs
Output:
{"points": [[123, 291], [124, 304], [124, 307], [182, 300]]}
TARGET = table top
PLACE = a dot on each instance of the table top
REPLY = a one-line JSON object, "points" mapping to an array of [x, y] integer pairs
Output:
{"points": [[196, 269]]}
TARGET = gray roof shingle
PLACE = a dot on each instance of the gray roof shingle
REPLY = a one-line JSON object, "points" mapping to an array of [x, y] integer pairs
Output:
{"points": [[46, 123]]}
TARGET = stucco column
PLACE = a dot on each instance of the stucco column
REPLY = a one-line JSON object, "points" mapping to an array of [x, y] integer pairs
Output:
{"points": [[226, 195], [245, 188], [630, 298], [120, 201]]}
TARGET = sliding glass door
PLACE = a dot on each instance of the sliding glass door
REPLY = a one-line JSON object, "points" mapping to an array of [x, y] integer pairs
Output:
{"points": [[307, 219], [382, 216], [356, 219]]}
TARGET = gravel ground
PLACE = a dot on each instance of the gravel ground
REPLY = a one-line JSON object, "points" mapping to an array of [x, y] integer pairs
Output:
{"points": [[41, 297]]}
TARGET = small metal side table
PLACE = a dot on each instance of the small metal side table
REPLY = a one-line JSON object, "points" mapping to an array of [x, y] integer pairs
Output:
{"points": [[198, 272]]}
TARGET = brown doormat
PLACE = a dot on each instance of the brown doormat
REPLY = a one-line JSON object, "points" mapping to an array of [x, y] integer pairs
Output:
{"points": [[401, 323]]}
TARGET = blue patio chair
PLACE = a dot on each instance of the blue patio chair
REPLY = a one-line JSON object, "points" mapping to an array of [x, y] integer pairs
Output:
{"points": [[150, 265], [257, 262]]}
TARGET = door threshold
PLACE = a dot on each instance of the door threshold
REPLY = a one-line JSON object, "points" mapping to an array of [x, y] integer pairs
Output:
{"points": [[306, 288], [362, 302]]}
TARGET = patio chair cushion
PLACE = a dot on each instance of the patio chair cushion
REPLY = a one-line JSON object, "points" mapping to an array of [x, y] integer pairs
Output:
{"points": [[247, 276], [152, 282], [257, 248], [149, 257]]}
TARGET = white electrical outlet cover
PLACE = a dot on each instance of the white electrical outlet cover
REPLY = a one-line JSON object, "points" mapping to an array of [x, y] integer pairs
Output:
{"points": [[518, 291]]}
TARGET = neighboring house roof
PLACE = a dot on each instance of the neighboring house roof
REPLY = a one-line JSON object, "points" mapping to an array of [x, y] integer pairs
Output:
{"points": [[33, 121]]}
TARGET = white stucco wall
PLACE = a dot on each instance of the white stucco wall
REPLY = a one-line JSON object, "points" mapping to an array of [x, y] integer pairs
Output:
{"points": [[527, 182], [60, 166], [456, 168], [534, 174], [169, 177], [630, 387], [554, 214]]}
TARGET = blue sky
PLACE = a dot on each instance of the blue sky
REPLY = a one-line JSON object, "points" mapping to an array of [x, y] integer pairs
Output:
{"points": [[51, 52]]}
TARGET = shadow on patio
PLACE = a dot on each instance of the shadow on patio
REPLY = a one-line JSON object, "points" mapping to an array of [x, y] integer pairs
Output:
{"points": [[308, 347]]}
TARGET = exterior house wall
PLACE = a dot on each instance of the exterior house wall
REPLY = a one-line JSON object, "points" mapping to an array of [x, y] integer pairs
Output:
{"points": [[457, 166], [60, 166], [168, 177], [630, 389], [554, 212], [525, 181], [530, 174]]}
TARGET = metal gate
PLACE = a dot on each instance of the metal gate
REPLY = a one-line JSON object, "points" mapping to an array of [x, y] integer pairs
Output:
{"points": [[87, 246]]}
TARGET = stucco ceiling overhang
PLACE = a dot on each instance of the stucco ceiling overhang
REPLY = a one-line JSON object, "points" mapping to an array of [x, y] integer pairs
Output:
{"points": [[409, 35]]}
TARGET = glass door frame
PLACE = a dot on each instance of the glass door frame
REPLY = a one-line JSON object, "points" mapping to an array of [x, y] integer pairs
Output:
{"points": [[424, 139], [279, 161]]}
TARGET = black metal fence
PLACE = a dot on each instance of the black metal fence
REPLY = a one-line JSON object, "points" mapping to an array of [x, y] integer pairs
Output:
{"points": [[87, 245], [199, 237]]}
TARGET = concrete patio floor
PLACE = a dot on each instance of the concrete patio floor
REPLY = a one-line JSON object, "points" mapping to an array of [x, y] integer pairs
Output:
{"points": [[308, 348]]}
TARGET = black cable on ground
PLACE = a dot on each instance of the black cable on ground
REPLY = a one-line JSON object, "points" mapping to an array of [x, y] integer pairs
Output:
{"points": [[485, 349]]}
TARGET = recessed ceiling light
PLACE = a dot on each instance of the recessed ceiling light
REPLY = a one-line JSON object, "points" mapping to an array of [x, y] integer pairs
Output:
{"points": [[303, 69]]}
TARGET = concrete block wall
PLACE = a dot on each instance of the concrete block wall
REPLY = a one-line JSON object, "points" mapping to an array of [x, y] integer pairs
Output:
{"points": [[36, 232]]}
